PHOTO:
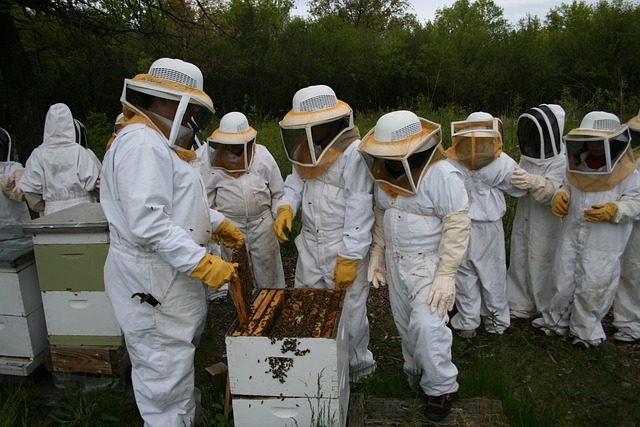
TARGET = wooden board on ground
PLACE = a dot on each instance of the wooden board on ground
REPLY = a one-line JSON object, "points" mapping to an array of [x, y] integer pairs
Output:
{"points": [[103, 360], [378, 412]]}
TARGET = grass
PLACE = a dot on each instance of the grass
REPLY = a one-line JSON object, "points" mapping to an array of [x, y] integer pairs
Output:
{"points": [[540, 380]]}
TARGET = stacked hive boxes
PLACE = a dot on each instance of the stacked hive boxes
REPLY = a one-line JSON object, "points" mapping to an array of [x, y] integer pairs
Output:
{"points": [[279, 379], [71, 247], [23, 331]]}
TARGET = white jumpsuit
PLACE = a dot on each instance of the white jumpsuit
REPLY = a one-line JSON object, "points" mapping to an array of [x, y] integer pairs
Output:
{"points": [[246, 201], [586, 271], [12, 212], [533, 241], [481, 281], [412, 230], [337, 217], [60, 169], [159, 221]]}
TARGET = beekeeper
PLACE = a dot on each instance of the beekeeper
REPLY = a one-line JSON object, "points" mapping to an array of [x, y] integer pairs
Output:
{"points": [[330, 184], [598, 201], [481, 284], [59, 173], [159, 222], [626, 305], [420, 234], [534, 234], [244, 183], [13, 208]]}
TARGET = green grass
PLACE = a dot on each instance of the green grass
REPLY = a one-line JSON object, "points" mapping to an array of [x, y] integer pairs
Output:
{"points": [[540, 380]]}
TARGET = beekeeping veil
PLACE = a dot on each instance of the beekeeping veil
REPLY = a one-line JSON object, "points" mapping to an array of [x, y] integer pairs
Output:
{"points": [[540, 132], [5, 146], [315, 108], [399, 150], [634, 131], [599, 156], [476, 141], [174, 80], [234, 131]]}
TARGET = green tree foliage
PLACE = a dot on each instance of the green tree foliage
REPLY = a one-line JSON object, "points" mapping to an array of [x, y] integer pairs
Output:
{"points": [[374, 53]]}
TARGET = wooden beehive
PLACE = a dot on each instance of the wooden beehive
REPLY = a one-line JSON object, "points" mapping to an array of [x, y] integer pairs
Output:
{"points": [[288, 364]]}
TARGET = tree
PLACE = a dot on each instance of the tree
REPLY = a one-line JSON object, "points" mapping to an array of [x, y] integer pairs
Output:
{"points": [[371, 14]]}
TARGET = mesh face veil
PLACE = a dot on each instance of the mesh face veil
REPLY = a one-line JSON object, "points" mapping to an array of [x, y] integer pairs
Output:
{"points": [[634, 132], [174, 80], [596, 147], [234, 143], [5, 146], [399, 150], [477, 141], [309, 130], [540, 132], [81, 133]]}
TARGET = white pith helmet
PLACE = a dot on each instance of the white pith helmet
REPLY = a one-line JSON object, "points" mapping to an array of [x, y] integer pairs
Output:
{"points": [[398, 133], [597, 123], [177, 78], [314, 105], [234, 129], [477, 121]]}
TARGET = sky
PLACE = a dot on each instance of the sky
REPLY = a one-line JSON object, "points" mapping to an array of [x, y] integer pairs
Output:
{"points": [[513, 9]]}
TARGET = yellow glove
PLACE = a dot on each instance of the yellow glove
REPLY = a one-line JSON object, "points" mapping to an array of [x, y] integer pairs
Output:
{"points": [[604, 212], [345, 273], [283, 220], [228, 234], [560, 204], [214, 271]]}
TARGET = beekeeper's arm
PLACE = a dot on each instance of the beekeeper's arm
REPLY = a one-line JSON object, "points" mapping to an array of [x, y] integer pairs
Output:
{"points": [[358, 218], [285, 209]]}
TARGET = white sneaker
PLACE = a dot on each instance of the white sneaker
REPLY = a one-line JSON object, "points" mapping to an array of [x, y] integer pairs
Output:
{"points": [[624, 337], [578, 342]]}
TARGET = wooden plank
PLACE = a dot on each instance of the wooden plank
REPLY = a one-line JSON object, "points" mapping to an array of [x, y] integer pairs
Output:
{"points": [[257, 313], [91, 360], [238, 299]]}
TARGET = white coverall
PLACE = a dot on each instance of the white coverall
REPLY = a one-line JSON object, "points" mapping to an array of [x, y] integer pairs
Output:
{"points": [[337, 217], [159, 222], [60, 169], [586, 271], [12, 212], [481, 281], [412, 233], [246, 201], [533, 241], [626, 305]]}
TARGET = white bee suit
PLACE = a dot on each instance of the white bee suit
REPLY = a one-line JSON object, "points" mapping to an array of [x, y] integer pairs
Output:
{"points": [[586, 270], [626, 305], [481, 279], [337, 217], [60, 169], [533, 242], [159, 223], [412, 233], [246, 200], [12, 212]]}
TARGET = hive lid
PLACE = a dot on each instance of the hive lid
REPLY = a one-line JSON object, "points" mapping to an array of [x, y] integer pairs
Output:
{"points": [[82, 218]]}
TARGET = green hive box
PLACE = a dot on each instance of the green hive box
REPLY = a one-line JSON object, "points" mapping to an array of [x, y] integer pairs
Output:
{"points": [[70, 249]]}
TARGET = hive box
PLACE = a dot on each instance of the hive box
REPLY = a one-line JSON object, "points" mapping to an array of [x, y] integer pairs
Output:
{"points": [[289, 380], [70, 248], [23, 331]]}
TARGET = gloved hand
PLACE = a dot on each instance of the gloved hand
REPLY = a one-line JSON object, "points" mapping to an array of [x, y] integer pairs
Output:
{"points": [[228, 234], [214, 271], [442, 294], [377, 272], [524, 180], [283, 220], [603, 212], [345, 272], [560, 204]]}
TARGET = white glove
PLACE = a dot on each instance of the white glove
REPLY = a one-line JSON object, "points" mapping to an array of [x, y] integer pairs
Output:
{"points": [[442, 294], [522, 179], [377, 272]]}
